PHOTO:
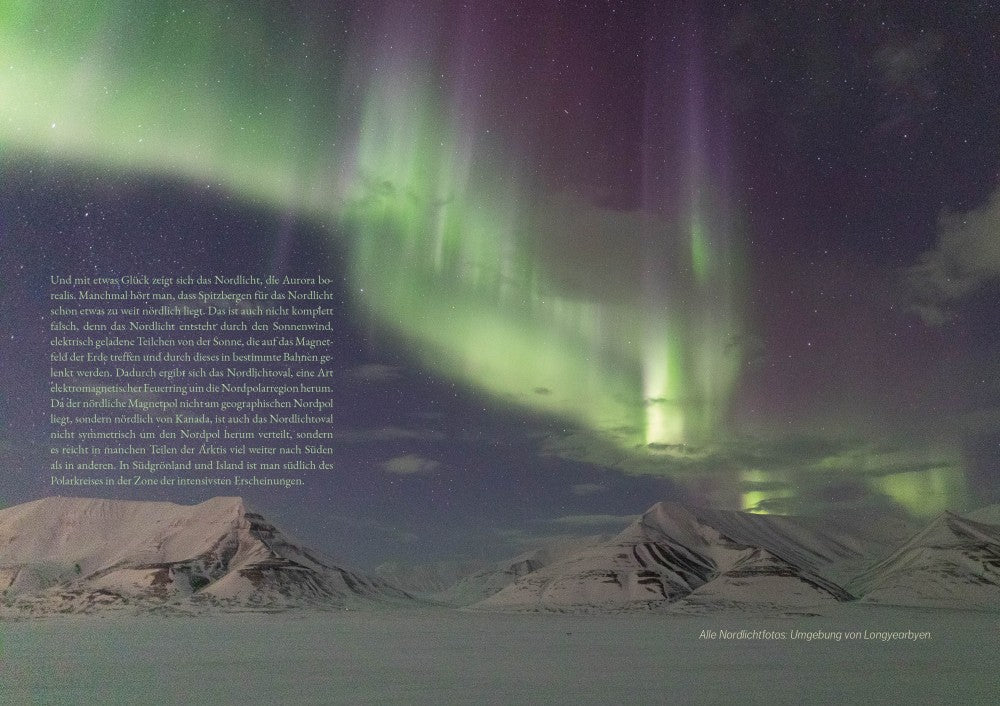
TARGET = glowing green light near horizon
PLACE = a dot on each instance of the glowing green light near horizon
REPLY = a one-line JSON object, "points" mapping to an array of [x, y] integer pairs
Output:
{"points": [[925, 493]]}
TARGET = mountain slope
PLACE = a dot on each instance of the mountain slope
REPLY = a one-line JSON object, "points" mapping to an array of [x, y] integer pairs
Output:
{"points": [[989, 515], [76, 554], [672, 553], [953, 562], [495, 577]]}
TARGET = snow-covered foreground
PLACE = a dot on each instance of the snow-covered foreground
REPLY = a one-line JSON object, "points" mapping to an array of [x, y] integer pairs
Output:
{"points": [[442, 656]]}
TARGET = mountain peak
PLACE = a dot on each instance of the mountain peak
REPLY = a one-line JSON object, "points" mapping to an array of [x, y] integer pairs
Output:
{"points": [[673, 553], [670, 518], [953, 561], [58, 551]]}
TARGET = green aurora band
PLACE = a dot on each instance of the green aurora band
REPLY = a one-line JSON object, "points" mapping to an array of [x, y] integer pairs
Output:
{"points": [[626, 323]]}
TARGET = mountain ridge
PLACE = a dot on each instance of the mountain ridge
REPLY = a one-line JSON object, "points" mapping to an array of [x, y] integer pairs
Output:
{"points": [[65, 554], [680, 558], [951, 562], [672, 552], [62, 554]]}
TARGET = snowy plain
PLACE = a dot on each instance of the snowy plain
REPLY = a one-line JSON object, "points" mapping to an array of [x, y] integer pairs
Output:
{"points": [[441, 656]]}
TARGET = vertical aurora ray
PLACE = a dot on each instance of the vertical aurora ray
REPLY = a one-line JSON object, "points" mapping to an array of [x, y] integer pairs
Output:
{"points": [[441, 260], [450, 257], [692, 274]]}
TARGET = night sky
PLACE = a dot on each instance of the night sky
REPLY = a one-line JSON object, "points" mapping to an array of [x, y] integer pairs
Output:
{"points": [[587, 255]]}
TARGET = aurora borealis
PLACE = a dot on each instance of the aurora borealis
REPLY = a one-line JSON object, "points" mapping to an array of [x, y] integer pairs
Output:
{"points": [[407, 173], [649, 226]]}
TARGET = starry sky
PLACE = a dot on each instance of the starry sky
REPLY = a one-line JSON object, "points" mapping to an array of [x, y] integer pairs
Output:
{"points": [[586, 255]]}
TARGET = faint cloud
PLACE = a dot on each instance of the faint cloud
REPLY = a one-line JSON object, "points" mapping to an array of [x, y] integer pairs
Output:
{"points": [[619, 521], [411, 464], [395, 433], [967, 257], [905, 66], [565, 539], [396, 533], [906, 73], [587, 488]]}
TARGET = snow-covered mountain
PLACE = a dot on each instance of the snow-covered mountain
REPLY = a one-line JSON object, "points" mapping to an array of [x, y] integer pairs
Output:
{"points": [[489, 580], [78, 554], [989, 515], [954, 562], [702, 556]]}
